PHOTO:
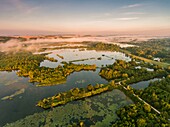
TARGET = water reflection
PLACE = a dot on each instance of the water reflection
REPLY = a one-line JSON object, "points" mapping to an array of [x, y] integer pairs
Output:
{"points": [[24, 104], [75, 54]]}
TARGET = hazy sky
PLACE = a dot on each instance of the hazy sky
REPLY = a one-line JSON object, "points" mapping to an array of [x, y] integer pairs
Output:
{"points": [[24, 16]]}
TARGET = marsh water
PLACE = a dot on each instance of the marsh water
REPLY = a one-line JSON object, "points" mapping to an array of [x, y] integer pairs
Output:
{"points": [[23, 104]]}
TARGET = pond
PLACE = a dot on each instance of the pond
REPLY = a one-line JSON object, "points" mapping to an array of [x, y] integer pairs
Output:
{"points": [[23, 104], [143, 84]]}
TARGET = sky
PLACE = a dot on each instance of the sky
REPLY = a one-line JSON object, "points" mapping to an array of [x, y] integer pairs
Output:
{"points": [[83, 16]]}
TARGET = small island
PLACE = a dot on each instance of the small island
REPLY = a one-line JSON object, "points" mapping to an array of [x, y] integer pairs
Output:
{"points": [[10, 97], [73, 94], [60, 56]]}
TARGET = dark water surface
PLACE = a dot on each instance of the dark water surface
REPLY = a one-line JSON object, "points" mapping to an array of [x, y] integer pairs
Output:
{"points": [[24, 104], [143, 84]]}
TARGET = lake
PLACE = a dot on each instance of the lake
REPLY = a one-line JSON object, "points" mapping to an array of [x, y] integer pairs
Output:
{"points": [[23, 104]]}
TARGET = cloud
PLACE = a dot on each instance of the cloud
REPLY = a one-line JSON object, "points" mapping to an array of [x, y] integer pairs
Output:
{"points": [[127, 18], [93, 22], [134, 13], [23, 7], [133, 6], [107, 14], [102, 15], [32, 10]]}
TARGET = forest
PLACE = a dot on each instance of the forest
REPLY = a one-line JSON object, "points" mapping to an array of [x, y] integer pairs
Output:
{"points": [[139, 115], [158, 95], [16, 61], [154, 48]]}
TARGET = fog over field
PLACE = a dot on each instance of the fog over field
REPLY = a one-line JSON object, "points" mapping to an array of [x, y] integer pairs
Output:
{"points": [[35, 44]]}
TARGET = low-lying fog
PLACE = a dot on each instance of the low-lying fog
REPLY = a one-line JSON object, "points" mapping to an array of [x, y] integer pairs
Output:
{"points": [[35, 45]]}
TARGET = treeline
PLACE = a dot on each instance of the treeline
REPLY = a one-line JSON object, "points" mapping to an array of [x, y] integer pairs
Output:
{"points": [[102, 47], [73, 94], [122, 70], [4, 39], [62, 47], [155, 48]]}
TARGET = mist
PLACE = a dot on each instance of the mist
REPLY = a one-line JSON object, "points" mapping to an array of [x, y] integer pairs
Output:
{"points": [[16, 45]]}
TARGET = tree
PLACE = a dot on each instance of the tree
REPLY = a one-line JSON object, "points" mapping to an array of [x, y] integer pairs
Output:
{"points": [[147, 107], [141, 122], [75, 91], [81, 124], [96, 86], [125, 75], [90, 87]]}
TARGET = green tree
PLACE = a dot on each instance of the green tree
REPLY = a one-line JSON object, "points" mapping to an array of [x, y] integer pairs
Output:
{"points": [[89, 87], [141, 122], [75, 91], [147, 107]]}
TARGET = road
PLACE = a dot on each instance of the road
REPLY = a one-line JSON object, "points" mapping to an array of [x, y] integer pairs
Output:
{"points": [[119, 83], [162, 64]]}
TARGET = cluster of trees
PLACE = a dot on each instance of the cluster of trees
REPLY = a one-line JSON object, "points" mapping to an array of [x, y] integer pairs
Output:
{"points": [[155, 48], [51, 59], [46, 76], [139, 115], [122, 70], [16, 61], [158, 95], [117, 70], [73, 94], [103, 47]]}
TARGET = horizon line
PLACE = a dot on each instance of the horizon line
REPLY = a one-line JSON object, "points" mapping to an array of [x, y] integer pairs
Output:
{"points": [[105, 32]]}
